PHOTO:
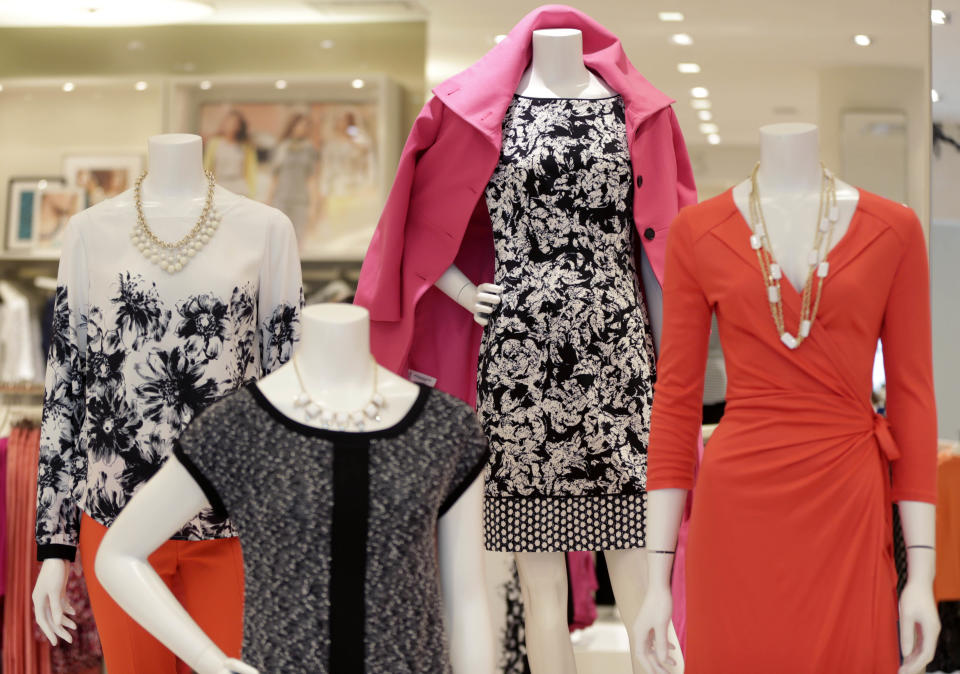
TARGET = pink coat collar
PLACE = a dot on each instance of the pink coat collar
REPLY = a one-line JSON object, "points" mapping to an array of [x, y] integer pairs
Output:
{"points": [[481, 93]]}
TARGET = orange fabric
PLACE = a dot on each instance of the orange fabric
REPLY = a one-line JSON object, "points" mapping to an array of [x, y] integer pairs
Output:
{"points": [[205, 576], [790, 560], [946, 585], [22, 653]]}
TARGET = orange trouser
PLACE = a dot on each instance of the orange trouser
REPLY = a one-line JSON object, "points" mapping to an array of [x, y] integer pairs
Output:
{"points": [[205, 576]]}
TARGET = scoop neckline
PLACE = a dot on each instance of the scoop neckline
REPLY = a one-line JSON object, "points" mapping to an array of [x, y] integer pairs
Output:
{"points": [[398, 428], [564, 98]]}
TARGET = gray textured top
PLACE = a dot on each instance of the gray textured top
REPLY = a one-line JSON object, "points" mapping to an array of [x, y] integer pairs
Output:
{"points": [[338, 529]]}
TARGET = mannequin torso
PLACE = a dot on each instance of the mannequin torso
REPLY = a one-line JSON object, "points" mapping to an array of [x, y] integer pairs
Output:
{"points": [[789, 180], [557, 69]]}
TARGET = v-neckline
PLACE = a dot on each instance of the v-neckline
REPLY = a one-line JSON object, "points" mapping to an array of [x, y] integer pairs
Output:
{"points": [[831, 255]]}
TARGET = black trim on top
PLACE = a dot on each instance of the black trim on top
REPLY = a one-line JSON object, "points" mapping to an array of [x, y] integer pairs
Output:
{"points": [[347, 436], [208, 489], [56, 551], [348, 561], [464, 484]]}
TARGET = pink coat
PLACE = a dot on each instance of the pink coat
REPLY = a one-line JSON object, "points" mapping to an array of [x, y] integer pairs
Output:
{"points": [[436, 214]]}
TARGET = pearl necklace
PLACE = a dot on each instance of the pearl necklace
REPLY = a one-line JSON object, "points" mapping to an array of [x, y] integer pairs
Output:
{"points": [[827, 215], [341, 421], [172, 257]]}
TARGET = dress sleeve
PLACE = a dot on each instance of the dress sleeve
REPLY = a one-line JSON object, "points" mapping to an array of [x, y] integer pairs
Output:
{"points": [[471, 458], [678, 393], [63, 462], [908, 364], [280, 297]]}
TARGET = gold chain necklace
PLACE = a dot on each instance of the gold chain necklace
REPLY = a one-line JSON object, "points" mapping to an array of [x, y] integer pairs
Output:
{"points": [[827, 216], [172, 257], [356, 419]]}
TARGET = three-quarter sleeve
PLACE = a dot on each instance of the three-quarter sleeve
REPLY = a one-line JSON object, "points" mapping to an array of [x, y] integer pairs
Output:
{"points": [[908, 363], [470, 458], [280, 295], [678, 393], [63, 462]]}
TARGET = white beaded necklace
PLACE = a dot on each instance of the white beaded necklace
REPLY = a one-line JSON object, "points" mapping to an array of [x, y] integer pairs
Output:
{"points": [[341, 421], [173, 257], [827, 215]]}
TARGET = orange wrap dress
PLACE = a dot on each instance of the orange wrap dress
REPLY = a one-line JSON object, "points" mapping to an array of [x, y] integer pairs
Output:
{"points": [[790, 561]]}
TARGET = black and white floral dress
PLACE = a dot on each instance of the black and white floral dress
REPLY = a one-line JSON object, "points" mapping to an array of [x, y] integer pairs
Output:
{"points": [[566, 371], [136, 353]]}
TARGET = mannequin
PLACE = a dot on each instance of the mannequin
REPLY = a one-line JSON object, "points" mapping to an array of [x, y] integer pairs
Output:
{"points": [[227, 313], [173, 194], [557, 70], [336, 367], [789, 181]]}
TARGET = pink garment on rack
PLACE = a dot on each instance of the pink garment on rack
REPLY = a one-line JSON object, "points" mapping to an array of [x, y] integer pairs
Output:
{"points": [[22, 653], [583, 588], [3, 515]]}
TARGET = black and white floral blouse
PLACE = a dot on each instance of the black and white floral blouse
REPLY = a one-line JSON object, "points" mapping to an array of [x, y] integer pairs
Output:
{"points": [[136, 353]]}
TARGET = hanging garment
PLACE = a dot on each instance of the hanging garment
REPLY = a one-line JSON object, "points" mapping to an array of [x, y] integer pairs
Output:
{"points": [[137, 352], [339, 529], [3, 515], [790, 538], [566, 371], [946, 584], [20, 357]]}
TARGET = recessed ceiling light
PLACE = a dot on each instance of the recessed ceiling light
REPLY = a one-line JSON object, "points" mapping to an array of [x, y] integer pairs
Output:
{"points": [[939, 17], [280, 84], [135, 45], [326, 44], [713, 139], [681, 39], [42, 184], [709, 128], [699, 92], [499, 38], [862, 40], [102, 12], [934, 95], [688, 67], [206, 84], [700, 104], [670, 16], [357, 84], [140, 86], [705, 115], [68, 86]]}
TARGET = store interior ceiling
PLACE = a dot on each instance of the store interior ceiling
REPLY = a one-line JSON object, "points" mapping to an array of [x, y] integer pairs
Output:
{"points": [[759, 60], [946, 61]]}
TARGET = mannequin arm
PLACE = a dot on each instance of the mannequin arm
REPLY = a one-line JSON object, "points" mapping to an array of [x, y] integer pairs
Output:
{"points": [[462, 574], [478, 300], [664, 512], [919, 622], [159, 509]]}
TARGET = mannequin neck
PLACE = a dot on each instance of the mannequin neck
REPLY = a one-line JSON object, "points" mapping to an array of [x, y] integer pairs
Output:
{"points": [[175, 168], [334, 352], [789, 159], [557, 62]]}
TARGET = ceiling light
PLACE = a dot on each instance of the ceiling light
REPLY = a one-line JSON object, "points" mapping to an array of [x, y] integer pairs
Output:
{"points": [[280, 84], [42, 184], [713, 139], [206, 84], [102, 12], [670, 16], [934, 95], [682, 39], [709, 128], [688, 67], [938, 16], [705, 115], [326, 44], [68, 86], [862, 40], [140, 86], [700, 104], [699, 92], [357, 84], [499, 38], [1, 87]]}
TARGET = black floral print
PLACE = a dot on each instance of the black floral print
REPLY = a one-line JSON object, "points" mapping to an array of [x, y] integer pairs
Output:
{"points": [[280, 334], [140, 312], [174, 388], [203, 325], [113, 426], [566, 368]]}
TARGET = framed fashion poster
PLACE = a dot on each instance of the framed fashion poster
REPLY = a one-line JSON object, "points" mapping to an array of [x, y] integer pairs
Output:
{"points": [[23, 197], [102, 176], [321, 151], [52, 209]]}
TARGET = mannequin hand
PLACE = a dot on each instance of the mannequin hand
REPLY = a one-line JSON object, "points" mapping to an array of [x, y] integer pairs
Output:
{"points": [[50, 601], [231, 666], [481, 300], [919, 627], [651, 629]]}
